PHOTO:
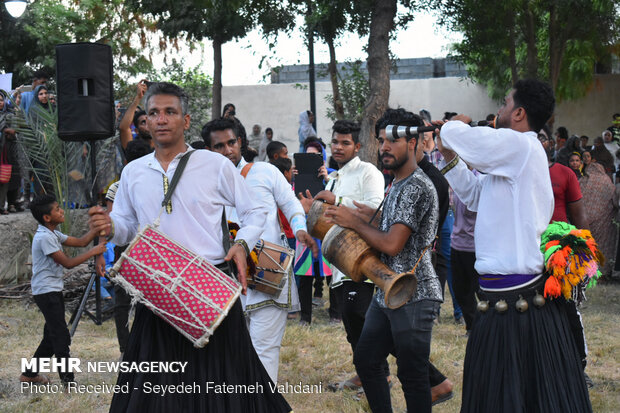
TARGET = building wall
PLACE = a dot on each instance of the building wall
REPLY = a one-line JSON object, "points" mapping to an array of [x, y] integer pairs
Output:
{"points": [[592, 114], [278, 105]]}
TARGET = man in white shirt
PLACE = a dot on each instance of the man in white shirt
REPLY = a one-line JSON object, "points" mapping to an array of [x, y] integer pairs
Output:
{"points": [[354, 182], [193, 219], [266, 315], [520, 357]]}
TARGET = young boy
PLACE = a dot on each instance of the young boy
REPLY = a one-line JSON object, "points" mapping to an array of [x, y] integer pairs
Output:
{"points": [[48, 261]]}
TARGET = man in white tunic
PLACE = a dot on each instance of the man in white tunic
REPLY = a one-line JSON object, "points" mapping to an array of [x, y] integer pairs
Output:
{"points": [[193, 219], [520, 356], [265, 313]]}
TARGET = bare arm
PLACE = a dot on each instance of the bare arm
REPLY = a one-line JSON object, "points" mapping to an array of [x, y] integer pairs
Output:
{"points": [[391, 242], [69, 262], [82, 241], [577, 214], [125, 124]]}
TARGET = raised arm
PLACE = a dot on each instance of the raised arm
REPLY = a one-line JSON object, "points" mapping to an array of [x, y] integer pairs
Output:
{"points": [[125, 124]]}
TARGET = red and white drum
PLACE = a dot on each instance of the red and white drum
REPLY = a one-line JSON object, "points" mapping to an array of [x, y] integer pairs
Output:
{"points": [[181, 287]]}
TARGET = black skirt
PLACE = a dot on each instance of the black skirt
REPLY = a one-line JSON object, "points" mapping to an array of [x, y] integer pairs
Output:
{"points": [[523, 362], [224, 376]]}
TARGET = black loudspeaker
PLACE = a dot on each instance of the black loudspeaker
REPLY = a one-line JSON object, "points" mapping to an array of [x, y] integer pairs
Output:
{"points": [[85, 95]]}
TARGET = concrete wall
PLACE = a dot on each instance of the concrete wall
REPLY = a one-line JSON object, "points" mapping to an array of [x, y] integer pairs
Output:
{"points": [[591, 114], [278, 105]]}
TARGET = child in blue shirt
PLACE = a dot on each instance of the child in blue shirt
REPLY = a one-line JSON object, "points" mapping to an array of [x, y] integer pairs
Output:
{"points": [[48, 260]]}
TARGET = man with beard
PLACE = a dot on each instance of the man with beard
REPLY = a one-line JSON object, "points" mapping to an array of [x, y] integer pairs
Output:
{"points": [[137, 117], [266, 314], [519, 357], [354, 183], [407, 228]]}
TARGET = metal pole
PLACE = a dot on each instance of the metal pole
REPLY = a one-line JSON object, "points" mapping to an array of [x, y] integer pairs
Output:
{"points": [[311, 67]]}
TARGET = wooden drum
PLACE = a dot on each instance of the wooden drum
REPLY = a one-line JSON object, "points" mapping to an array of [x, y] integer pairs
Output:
{"points": [[316, 221], [346, 250]]}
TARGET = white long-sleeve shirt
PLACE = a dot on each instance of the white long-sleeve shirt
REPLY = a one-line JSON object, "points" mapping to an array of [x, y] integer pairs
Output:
{"points": [[271, 191], [513, 196], [356, 181], [208, 184]]}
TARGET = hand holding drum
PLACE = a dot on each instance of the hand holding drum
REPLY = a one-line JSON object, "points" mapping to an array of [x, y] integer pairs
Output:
{"points": [[348, 252]]}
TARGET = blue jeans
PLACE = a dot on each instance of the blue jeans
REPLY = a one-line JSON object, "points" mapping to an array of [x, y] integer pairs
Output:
{"points": [[443, 261], [405, 332]]}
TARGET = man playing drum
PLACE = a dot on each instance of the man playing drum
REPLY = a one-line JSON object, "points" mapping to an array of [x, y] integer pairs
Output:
{"points": [[354, 182], [407, 228], [266, 314], [193, 219]]}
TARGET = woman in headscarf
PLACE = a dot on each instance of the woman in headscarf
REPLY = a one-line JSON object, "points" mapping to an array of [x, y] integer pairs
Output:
{"points": [[5, 135], [598, 196], [40, 103], [586, 158], [10, 155], [602, 156], [575, 163], [305, 128], [573, 144]]}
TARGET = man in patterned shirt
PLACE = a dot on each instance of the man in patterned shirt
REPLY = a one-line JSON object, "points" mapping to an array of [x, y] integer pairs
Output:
{"points": [[407, 228]]}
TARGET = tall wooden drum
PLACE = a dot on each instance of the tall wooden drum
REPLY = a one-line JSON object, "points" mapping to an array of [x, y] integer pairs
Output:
{"points": [[346, 250]]}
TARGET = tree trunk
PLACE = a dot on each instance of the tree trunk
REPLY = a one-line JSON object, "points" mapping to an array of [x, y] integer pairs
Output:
{"points": [[514, 74], [378, 63], [557, 44], [216, 108], [333, 76], [530, 39]]}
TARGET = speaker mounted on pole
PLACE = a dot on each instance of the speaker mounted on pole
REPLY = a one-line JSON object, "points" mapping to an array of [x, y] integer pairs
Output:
{"points": [[85, 95]]}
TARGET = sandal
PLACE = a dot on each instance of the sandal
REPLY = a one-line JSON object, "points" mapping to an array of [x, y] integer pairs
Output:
{"points": [[12, 209], [4, 212]]}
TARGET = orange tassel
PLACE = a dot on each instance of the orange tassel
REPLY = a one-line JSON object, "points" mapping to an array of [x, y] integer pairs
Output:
{"points": [[551, 244], [552, 287]]}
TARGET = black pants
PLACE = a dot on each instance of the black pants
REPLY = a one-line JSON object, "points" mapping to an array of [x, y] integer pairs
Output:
{"points": [[122, 305], [305, 297], [335, 301], [56, 338], [406, 331], [465, 283], [355, 303], [318, 287]]}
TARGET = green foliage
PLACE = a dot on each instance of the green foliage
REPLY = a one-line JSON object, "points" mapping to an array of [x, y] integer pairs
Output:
{"points": [[45, 154], [198, 87], [354, 89], [46, 23], [557, 41]]}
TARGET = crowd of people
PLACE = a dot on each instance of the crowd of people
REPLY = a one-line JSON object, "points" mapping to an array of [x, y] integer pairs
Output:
{"points": [[433, 206]]}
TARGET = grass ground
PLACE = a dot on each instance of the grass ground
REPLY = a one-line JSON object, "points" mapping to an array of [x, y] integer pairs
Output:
{"points": [[312, 355]]}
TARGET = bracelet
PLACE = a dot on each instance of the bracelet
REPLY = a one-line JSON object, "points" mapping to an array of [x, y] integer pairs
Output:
{"points": [[244, 245], [450, 165]]}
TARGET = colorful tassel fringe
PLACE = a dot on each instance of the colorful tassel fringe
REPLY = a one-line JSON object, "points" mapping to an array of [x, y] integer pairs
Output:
{"points": [[572, 258]]}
